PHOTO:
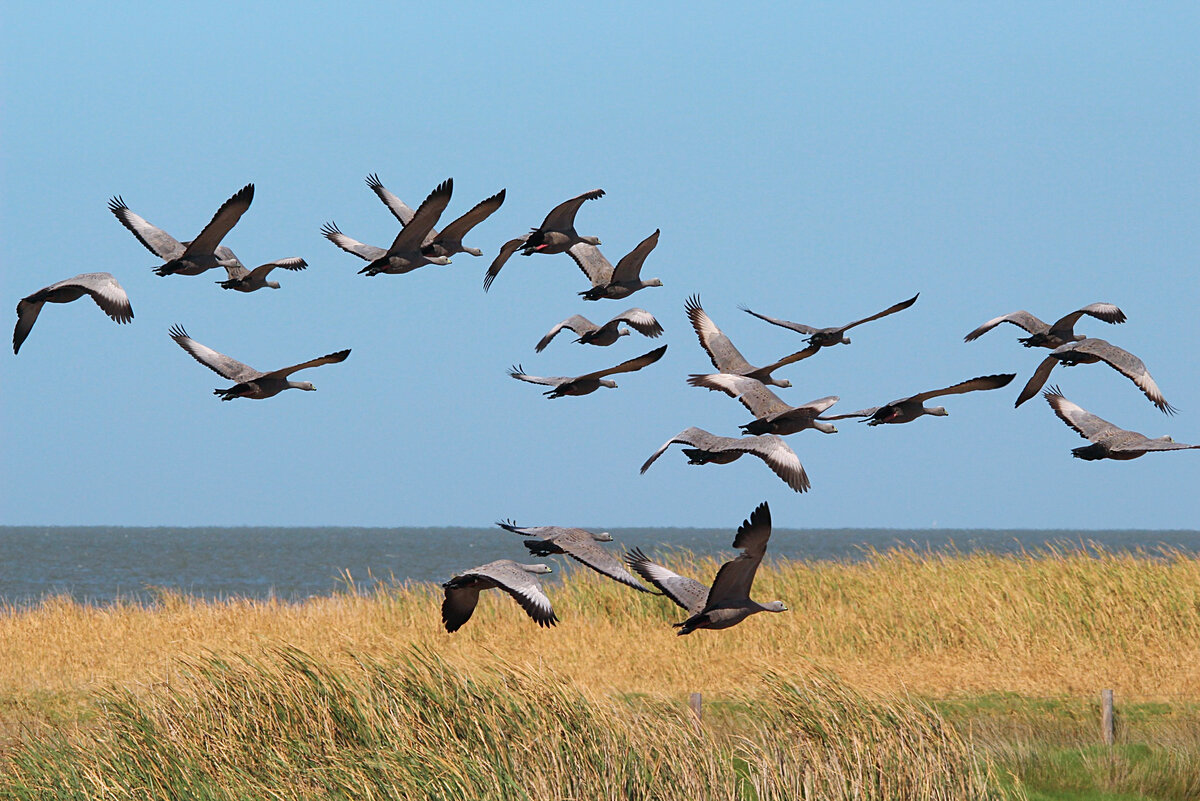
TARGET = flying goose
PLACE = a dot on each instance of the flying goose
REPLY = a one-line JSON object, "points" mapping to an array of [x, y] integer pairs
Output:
{"points": [[589, 383], [577, 543], [406, 254], [724, 356], [1089, 351], [251, 383], [710, 449], [462, 591], [640, 320], [104, 289], [1108, 441], [728, 602], [772, 415], [449, 241], [908, 409], [244, 280], [687, 593], [555, 235], [836, 335], [194, 257], [1050, 336], [621, 281]]}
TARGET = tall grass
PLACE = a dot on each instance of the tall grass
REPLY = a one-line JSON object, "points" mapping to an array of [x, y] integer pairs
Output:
{"points": [[1051, 623], [286, 726]]}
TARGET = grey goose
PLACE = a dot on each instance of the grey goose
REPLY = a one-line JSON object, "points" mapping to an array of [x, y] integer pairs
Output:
{"points": [[577, 543], [200, 254], [251, 383], [639, 320], [590, 382], [1042, 335], [102, 287], [406, 254], [709, 448], [617, 282], [728, 602], [556, 234], [772, 415], [1089, 351], [905, 410], [722, 353], [1108, 441], [462, 592], [448, 241], [244, 280], [818, 338]]}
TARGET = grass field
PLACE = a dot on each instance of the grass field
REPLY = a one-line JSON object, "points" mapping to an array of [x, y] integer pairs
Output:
{"points": [[907, 675]]}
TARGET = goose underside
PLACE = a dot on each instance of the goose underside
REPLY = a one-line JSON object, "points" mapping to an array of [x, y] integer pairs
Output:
{"points": [[700, 456]]}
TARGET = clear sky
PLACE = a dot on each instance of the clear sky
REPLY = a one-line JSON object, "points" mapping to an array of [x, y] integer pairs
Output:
{"points": [[816, 163]]}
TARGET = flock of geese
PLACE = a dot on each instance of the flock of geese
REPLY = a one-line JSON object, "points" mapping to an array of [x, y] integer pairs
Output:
{"points": [[419, 243]]}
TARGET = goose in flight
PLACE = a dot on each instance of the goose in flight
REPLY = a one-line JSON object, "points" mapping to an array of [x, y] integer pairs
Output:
{"points": [[251, 383], [728, 601], [708, 448], [1090, 351], [589, 383], [556, 234], [772, 415], [687, 593], [577, 543], [449, 240], [194, 257], [406, 254], [1042, 335], [1108, 441], [818, 338], [102, 287], [617, 282], [639, 320], [244, 280], [725, 357], [908, 409], [462, 591]]}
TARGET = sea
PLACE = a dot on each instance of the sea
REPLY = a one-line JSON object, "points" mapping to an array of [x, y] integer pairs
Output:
{"points": [[100, 565]]}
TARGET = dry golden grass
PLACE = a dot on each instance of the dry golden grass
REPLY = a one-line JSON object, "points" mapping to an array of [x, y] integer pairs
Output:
{"points": [[1051, 623]]}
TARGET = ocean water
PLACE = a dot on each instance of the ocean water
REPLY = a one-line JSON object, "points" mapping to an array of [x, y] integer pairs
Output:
{"points": [[99, 564]]}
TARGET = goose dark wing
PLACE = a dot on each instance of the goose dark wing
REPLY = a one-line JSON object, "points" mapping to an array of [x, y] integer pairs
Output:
{"points": [[419, 229], [562, 216], [970, 385], [506, 250], [736, 577], [630, 267], [901, 306], [331, 358], [455, 231], [636, 363], [799, 328], [522, 586], [222, 222]]}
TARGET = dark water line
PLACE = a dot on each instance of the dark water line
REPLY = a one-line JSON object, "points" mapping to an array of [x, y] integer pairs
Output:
{"points": [[97, 564]]}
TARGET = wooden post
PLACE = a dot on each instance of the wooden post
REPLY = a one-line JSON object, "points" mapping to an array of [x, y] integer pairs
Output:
{"points": [[1107, 727], [695, 701]]}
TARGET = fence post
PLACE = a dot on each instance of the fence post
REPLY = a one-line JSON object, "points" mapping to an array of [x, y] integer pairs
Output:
{"points": [[1106, 716], [695, 701]]}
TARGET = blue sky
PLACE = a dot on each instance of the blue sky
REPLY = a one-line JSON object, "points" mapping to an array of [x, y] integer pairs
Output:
{"points": [[816, 164]]}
